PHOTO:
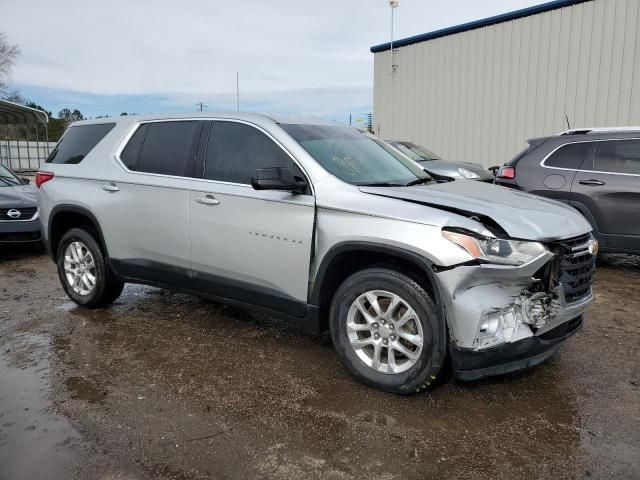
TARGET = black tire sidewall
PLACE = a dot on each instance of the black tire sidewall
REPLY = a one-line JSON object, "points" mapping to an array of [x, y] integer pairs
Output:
{"points": [[97, 294], [426, 370]]}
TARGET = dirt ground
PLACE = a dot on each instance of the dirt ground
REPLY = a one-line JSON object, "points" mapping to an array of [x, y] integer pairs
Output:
{"points": [[165, 385]]}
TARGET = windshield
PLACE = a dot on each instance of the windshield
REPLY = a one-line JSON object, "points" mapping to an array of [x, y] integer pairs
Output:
{"points": [[8, 178], [415, 152], [354, 157]]}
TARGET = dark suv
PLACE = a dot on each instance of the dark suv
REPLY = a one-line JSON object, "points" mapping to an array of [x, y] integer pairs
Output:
{"points": [[597, 171]]}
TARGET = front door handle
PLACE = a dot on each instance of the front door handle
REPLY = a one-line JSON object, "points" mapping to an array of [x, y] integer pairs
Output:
{"points": [[592, 182], [208, 200], [111, 187]]}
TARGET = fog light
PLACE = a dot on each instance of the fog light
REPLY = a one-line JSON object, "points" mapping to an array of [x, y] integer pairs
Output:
{"points": [[496, 327], [489, 327]]}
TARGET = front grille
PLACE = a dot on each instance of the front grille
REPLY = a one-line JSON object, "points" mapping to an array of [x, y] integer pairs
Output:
{"points": [[25, 213], [575, 268]]}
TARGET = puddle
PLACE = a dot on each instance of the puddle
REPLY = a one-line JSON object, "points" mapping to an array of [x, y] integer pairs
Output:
{"points": [[34, 440]]}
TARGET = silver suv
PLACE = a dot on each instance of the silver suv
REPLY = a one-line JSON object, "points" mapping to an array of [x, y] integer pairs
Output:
{"points": [[317, 223]]}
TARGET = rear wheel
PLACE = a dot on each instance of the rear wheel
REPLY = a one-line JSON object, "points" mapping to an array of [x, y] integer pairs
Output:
{"points": [[386, 330], [83, 270]]}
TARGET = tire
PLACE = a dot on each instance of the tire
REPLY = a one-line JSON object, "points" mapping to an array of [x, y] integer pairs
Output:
{"points": [[105, 288], [409, 375]]}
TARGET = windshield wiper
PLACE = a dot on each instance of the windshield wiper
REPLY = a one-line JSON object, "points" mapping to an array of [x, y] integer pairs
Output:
{"points": [[11, 183], [381, 184], [418, 181]]}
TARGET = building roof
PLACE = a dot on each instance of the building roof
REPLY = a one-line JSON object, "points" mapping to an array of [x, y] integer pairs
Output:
{"points": [[16, 114], [505, 17]]}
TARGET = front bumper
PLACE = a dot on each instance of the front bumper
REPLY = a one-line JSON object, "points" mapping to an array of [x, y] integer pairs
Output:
{"points": [[20, 232], [471, 365], [503, 319]]}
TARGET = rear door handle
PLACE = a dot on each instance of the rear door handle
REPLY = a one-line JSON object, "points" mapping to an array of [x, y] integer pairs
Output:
{"points": [[207, 200], [592, 182], [111, 187]]}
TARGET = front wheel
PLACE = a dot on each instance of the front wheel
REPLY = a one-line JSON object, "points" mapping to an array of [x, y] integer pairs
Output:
{"points": [[386, 329], [83, 271]]}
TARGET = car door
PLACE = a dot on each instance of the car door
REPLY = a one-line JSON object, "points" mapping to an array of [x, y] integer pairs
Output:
{"points": [[248, 245], [608, 184], [143, 203], [555, 179]]}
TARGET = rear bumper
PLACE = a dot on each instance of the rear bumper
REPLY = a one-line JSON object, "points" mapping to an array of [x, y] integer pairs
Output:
{"points": [[20, 232], [472, 365]]}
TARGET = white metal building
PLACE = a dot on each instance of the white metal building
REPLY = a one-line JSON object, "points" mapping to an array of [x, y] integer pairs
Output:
{"points": [[477, 91]]}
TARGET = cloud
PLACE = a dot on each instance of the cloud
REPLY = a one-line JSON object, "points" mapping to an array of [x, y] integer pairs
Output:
{"points": [[285, 50]]}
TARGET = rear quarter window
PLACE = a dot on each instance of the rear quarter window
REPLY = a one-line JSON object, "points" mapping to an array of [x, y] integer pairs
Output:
{"points": [[78, 141], [131, 152], [569, 156]]}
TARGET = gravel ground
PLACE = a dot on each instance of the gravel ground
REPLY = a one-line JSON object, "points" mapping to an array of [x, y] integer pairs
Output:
{"points": [[165, 385]]}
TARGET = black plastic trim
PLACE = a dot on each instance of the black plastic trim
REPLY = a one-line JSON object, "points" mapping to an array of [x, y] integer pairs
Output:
{"points": [[471, 365], [423, 263], [217, 288], [64, 208]]}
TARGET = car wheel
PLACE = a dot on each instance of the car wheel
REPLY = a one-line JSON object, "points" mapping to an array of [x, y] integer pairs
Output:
{"points": [[387, 331], [83, 270]]}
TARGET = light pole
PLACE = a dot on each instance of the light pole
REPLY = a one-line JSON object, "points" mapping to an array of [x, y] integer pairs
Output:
{"points": [[393, 4]]}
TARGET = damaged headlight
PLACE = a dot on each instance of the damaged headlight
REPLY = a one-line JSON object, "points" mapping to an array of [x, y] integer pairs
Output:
{"points": [[495, 250]]}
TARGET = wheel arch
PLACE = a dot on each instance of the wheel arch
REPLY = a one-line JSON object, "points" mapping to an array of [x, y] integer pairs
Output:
{"points": [[344, 259], [67, 216]]}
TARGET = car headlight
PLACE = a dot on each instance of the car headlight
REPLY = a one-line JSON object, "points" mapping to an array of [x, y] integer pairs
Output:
{"points": [[468, 174], [496, 250]]}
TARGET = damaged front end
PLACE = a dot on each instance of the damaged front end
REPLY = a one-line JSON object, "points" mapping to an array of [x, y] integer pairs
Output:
{"points": [[504, 308]]}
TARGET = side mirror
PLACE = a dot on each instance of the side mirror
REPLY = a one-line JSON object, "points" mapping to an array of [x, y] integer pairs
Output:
{"points": [[25, 180], [278, 178]]}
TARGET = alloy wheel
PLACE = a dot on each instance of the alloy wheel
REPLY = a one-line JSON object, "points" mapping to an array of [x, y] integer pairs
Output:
{"points": [[385, 332], [80, 268]]}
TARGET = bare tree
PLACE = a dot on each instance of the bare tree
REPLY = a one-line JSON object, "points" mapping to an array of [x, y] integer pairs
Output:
{"points": [[8, 54], [68, 117]]}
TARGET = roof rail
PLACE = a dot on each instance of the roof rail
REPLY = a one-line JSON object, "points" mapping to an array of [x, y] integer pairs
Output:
{"points": [[583, 131]]}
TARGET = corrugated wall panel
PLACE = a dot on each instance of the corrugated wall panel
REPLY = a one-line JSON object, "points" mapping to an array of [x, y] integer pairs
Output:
{"points": [[634, 113], [478, 95]]}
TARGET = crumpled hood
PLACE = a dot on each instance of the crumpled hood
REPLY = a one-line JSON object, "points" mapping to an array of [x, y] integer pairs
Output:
{"points": [[18, 196], [521, 215]]}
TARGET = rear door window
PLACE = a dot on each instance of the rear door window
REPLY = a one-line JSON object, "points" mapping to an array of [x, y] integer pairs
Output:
{"points": [[617, 156], [235, 150], [78, 141], [569, 156], [169, 148]]}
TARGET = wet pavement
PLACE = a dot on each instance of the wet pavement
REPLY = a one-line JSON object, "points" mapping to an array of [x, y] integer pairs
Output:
{"points": [[164, 385]]}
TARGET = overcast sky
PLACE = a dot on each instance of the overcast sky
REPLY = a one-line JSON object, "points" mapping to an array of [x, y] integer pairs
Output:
{"points": [[301, 56]]}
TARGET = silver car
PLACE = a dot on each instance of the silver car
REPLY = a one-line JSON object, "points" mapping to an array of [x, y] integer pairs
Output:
{"points": [[439, 168], [317, 223]]}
